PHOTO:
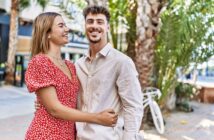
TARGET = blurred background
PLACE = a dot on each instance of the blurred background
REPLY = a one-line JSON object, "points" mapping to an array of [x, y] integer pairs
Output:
{"points": [[170, 41]]}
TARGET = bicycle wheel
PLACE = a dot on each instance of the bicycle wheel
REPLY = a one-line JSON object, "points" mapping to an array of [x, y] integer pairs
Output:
{"points": [[157, 117]]}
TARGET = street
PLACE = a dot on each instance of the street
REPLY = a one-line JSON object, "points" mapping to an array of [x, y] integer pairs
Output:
{"points": [[16, 112]]}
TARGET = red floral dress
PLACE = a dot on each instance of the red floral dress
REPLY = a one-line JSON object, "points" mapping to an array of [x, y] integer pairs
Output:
{"points": [[42, 72]]}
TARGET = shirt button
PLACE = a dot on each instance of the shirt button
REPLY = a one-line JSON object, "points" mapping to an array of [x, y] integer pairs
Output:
{"points": [[90, 76]]}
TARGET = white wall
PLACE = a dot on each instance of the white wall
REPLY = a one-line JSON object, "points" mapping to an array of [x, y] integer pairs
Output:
{"points": [[5, 4]]}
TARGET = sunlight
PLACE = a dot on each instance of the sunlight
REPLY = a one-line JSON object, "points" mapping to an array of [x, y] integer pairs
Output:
{"points": [[205, 124], [152, 136], [187, 2], [187, 138]]}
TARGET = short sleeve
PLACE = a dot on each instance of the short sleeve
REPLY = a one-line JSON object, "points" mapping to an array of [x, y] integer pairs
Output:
{"points": [[38, 75]]}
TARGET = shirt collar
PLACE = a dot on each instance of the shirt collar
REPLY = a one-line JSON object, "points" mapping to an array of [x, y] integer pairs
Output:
{"points": [[104, 51]]}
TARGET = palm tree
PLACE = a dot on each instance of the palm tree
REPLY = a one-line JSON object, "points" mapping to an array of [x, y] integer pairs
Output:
{"points": [[16, 6], [180, 43], [131, 35], [148, 26], [97, 2], [12, 41]]}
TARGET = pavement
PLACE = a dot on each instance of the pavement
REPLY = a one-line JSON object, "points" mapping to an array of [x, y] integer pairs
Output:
{"points": [[14, 128], [196, 125], [16, 113]]}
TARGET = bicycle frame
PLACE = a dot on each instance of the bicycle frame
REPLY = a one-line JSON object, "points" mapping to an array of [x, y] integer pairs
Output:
{"points": [[149, 93]]}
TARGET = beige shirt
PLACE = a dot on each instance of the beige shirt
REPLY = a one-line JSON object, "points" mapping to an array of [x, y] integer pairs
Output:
{"points": [[110, 80]]}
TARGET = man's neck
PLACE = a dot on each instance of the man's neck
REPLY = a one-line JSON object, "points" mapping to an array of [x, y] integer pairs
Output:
{"points": [[95, 48]]}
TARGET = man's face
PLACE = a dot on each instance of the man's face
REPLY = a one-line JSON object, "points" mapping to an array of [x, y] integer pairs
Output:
{"points": [[96, 26]]}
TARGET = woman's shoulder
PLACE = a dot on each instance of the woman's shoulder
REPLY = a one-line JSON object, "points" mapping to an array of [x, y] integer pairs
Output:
{"points": [[39, 59]]}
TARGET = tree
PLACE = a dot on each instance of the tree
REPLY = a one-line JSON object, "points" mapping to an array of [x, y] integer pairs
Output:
{"points": [[16, 6], [148, 26], [12, 41], [131, 33], [118, 23], [185, 38], [97, 2]]}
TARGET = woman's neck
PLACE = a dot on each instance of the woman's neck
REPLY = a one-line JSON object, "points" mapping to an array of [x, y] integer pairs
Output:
{"points": [[54, 51]]}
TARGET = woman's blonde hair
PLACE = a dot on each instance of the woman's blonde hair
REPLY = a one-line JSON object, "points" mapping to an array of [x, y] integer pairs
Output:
{"points": [[41, 27]]}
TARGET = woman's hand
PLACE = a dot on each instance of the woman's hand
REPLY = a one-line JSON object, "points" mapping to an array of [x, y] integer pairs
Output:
{"points": [[107, 117]]}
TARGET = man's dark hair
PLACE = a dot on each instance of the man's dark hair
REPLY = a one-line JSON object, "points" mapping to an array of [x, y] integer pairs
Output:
{"points": [[95, 9]]}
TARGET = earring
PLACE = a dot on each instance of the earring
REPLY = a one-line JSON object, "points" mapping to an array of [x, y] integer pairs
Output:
{"points": [[49, 37]]}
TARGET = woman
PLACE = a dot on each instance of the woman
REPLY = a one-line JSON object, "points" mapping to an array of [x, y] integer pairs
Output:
{"points": [[56, 85]]}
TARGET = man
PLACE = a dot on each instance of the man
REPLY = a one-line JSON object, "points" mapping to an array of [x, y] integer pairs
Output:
{"points": [[109, 80]]}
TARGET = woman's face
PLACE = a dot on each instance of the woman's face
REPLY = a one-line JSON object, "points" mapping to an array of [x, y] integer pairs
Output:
{"points": [[59, 32]]}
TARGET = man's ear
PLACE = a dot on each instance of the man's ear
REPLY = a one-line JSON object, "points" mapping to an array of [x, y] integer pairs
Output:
{"points": [[108, 27]]}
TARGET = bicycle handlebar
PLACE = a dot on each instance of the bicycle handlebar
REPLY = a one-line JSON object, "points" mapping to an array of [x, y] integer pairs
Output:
{"points": [[152, 91]]}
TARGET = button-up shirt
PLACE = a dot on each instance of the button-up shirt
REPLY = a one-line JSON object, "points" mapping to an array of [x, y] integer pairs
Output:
{"points": [[110, 80]]}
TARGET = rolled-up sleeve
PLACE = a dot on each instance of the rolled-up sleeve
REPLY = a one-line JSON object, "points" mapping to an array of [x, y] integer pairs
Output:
{"points": [[38, 75], [130, 94]]}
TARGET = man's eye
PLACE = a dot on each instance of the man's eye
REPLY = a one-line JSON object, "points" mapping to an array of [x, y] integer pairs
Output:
{"points": [[89, 22], [100, 22]]}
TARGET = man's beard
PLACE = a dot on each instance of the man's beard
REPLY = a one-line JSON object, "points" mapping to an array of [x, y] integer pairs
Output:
{"points": [[95, 41]]}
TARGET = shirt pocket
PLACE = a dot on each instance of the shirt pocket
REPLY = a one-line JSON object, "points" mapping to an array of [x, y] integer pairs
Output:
{"points": [[102, 91]]}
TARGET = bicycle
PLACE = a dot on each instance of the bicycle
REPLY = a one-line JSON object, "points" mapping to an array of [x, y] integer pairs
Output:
{"points": [[150, 93]]}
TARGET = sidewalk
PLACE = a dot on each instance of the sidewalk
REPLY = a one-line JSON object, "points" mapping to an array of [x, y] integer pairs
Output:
{"points": [[197, 125], [14, 128], [16, 112], [15, 101]]}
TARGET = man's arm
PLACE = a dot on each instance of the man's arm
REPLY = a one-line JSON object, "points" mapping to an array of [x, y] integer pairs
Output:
{"points": [[132, 97]]}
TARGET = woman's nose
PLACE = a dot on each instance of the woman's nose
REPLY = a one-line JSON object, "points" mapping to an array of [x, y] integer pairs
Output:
{"points": [[67, 29]]}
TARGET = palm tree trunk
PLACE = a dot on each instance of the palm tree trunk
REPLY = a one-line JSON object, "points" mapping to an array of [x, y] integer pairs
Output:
{"points": [[97, 2], [9, 79], [148, 25]]}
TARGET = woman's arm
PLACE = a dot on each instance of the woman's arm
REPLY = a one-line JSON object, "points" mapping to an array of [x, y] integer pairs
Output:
{"points": [[49, 99]]}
